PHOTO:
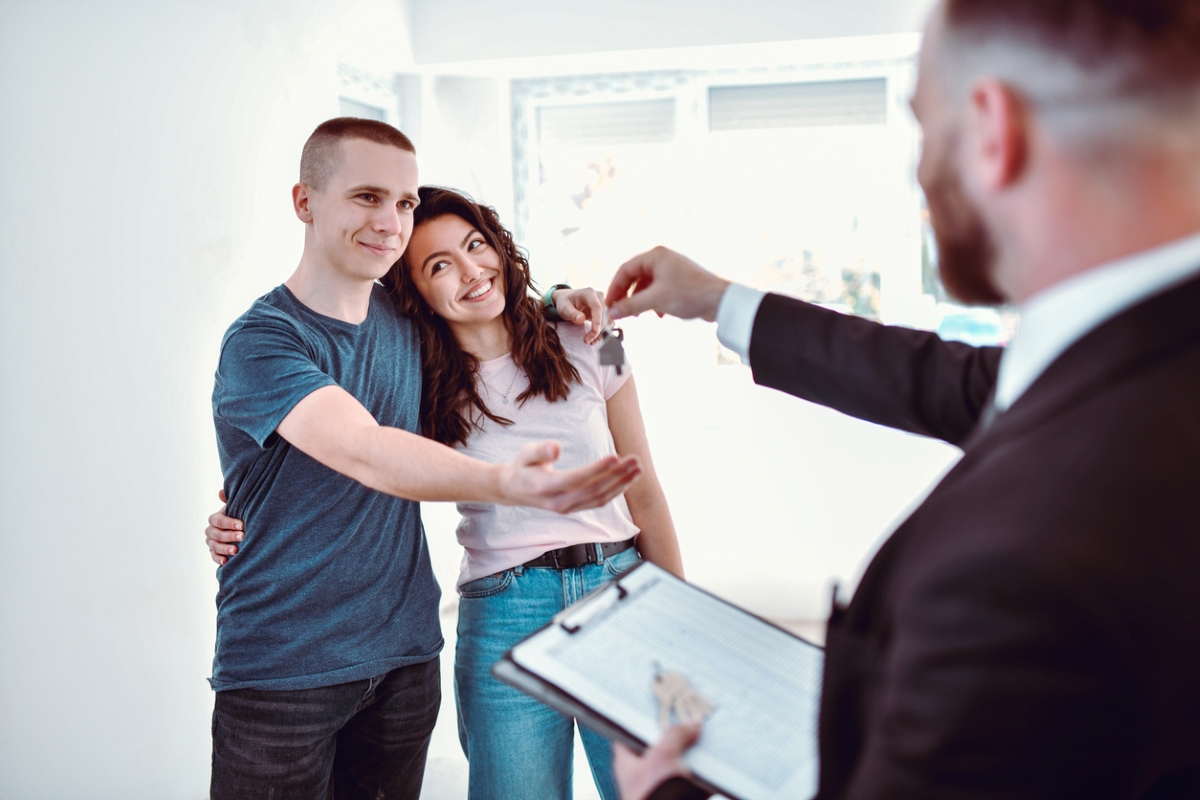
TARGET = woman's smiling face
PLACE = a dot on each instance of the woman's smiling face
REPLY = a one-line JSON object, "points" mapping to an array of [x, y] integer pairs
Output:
{"points": [[458, 274]]}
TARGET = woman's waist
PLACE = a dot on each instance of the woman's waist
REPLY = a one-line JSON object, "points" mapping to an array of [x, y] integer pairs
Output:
{"points": [[509, 527], [559, 554], [540, 535]]}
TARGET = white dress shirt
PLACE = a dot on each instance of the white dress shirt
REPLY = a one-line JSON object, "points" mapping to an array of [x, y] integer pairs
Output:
{"points": [[1051, 321]]}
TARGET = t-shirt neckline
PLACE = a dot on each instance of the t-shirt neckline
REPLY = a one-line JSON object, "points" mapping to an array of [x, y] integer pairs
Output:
{"points": [[496, 363], [341, 323]]}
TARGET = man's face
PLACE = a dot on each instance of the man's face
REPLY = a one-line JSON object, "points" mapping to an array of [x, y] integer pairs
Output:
{"points": [[362, 219], [966, 251]]}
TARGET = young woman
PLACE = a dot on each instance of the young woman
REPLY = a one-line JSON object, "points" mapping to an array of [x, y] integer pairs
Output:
{"points": [[498, 375]]}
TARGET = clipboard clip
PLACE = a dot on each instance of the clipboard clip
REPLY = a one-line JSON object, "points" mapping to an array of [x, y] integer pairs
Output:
{"points": [[573, 619]]}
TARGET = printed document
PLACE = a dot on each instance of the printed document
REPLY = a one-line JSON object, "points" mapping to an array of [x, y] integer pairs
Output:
{"points": [[760, 740]]}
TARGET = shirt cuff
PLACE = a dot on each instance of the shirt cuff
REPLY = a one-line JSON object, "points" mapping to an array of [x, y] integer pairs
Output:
{"points": [[735, 318]]}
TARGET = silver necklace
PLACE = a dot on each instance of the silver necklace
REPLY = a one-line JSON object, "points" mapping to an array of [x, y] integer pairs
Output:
{"points": [[511, 384]]}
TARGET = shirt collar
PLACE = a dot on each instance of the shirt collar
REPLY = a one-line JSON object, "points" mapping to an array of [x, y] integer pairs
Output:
{"points": [[1057, 317]]}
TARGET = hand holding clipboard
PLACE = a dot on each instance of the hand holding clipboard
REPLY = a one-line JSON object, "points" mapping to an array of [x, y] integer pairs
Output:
{"points": [[599, 660]]}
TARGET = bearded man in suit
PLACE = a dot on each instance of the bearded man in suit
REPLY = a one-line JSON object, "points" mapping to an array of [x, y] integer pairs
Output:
{"points": [[1033, 629]]}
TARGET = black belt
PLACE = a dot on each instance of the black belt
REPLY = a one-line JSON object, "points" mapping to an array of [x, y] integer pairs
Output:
{"points": [[577, 555]]}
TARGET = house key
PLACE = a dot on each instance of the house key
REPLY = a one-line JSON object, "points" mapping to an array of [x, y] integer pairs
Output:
{"points": [[612, 352], [677, 699]]}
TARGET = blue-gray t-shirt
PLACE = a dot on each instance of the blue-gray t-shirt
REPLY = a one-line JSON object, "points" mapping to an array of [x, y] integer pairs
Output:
{"points": [[332, 582]]}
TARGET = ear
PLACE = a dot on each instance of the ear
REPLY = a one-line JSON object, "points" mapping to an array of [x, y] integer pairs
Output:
{"points": [[301, 199], [997, 130]]}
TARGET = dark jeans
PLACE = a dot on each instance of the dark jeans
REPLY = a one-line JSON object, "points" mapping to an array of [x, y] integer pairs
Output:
{"points": [[365, 739]]}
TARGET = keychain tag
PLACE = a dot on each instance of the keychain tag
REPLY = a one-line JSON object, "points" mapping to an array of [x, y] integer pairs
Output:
{"points": [[612, 351], [678, 700]]}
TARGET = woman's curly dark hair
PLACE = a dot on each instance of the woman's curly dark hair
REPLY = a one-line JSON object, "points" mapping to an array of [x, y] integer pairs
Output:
{"points": [[451, 405]]}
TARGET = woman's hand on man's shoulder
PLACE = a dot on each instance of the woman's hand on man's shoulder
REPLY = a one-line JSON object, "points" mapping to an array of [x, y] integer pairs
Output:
{"points": [[582, 307]]}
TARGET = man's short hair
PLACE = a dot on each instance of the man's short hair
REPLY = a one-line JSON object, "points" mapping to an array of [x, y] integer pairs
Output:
{"points": [[323, 152], [1072, 56]]}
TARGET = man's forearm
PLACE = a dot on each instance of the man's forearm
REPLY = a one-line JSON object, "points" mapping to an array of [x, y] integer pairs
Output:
{"points": [[889, 375], [406, 465], [332, 427]]}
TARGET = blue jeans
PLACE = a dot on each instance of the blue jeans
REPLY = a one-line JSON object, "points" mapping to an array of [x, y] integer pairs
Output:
{"points": [[364, 739], [518, 748]]}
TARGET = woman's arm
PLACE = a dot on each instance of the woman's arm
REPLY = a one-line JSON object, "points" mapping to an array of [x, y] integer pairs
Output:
{"points": [[647, 503], [221, 533]]}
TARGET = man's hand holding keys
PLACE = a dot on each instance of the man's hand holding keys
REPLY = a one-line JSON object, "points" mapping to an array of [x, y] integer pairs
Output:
{"points": [[665, 282]]}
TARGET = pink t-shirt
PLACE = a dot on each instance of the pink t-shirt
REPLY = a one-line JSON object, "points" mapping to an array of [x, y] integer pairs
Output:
{"points": [[495, 537]]}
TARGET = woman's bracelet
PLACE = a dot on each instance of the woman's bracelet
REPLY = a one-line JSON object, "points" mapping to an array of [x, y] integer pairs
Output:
{"points": [[548, 300]]}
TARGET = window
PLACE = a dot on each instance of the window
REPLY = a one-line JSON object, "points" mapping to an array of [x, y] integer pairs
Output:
{"points": [[798, 105], [796, 180]]}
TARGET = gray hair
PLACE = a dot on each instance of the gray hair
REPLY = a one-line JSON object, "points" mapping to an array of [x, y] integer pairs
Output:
{"points": [[1092, 70]]}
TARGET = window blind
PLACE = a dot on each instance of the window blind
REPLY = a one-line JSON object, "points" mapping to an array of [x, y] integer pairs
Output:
{"points": [[797, 105], [628, 122]]}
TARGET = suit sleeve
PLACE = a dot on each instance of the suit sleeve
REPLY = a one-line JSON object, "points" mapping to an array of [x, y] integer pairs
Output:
{"points": [[899, 377], [998, 687]]}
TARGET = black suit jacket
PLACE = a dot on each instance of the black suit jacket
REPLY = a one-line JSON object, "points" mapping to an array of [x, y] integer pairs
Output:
{"points": [[1033, 629]]}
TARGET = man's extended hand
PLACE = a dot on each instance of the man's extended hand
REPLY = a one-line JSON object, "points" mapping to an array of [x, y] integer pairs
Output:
{"points": [[221, 533], [665, 282], [531, 480], [583, 307], [638, 776], [527, 480]]}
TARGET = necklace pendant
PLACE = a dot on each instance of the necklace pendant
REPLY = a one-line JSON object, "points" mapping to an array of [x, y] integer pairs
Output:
{"points": [[505, 400]]}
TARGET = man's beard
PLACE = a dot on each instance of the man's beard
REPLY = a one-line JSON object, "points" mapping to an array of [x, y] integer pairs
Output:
{"points": [[966, 253]]}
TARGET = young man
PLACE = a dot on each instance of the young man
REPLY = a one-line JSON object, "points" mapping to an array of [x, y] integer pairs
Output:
{"points": [[326, 666], [1032, 630]]}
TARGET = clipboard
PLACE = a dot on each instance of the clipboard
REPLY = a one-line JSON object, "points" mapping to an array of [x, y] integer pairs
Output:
{"points": [[596, 661]]}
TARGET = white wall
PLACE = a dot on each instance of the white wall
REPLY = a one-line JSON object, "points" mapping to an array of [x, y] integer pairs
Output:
{"points": [[147, 151], [466, 139]]}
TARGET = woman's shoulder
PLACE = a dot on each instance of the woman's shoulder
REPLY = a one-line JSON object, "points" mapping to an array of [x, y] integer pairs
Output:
{"points": [[571, 336], [580, 353], [586, 358]]}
